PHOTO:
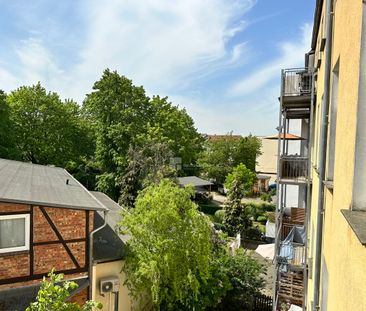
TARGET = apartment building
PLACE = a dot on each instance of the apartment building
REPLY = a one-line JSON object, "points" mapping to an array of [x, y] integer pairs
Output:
{"points": [[329, 97]]}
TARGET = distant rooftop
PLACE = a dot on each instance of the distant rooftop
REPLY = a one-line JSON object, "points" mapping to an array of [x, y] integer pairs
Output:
{"points": [[221, 137], [194, 180], [28, 183]]}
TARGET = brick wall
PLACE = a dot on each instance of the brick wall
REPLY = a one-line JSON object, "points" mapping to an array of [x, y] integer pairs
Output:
{"points": [[70, 223]]}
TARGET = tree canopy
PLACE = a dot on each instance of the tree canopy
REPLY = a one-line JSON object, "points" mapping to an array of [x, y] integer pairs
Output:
{"points": [[47, 130], [221, 155], [124, 116], [177, 258], [170, 247], [237, 217]]}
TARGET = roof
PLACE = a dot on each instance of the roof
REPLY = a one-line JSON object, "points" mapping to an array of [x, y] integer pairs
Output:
{"points": [[194, 180], [109, 244], [29, 183], [261, 176], [287, 136], [316, 23], [221, 137]]}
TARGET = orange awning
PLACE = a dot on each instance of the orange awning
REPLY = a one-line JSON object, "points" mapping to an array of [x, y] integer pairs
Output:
{"points": [[287, 136]]}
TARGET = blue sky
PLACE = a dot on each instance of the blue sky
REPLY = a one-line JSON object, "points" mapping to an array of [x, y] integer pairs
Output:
{"points": [[220, 59]]}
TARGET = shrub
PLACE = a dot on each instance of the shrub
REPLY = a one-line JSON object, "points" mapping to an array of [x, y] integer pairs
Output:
{"points": [[209, 209], [262, 219], [219, 216], [266, 197]]}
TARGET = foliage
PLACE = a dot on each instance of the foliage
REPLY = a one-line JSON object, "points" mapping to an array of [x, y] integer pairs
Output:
{"points": [[219, 216], [238, 216], [266, 197], [208, 208], [125, 117], [262, 218], [54, 293], [47, 130], [245, 275], [7, 141], [170, 250], [203, 198], [220, 156], [243, 178], [148, 164]]}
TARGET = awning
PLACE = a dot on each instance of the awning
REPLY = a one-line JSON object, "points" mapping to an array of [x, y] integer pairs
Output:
{"points": [[287, 136]]}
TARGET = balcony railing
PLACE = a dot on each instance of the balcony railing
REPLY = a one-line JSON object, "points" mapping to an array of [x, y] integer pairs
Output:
{"points": [[296, 82], [291, 253], [294, 167]]}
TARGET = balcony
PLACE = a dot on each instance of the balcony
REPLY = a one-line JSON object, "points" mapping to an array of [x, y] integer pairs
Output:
{"points": [[291, 288], [296, 217], [294, 169], [296, 88]]}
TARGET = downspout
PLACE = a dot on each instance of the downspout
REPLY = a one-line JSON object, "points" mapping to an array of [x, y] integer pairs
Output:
{"points": [[91, 248], [323, 151]]}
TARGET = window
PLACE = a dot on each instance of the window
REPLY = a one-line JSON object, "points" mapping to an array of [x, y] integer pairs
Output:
{"points": [[333, 123], [14, 233]]}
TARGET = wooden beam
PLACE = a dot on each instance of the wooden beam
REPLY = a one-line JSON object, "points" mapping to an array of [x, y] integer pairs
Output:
{"points": [[59, 236]]}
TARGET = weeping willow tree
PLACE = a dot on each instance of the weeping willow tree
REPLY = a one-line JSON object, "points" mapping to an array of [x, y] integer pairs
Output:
{"points": [[170, 250]]}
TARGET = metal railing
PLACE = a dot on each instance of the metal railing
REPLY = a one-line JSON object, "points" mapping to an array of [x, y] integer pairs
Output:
{"points": [[294, 167], [297, 81], [295, 252]]}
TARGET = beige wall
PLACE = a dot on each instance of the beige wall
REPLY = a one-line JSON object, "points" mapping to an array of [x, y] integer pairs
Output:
{"points": [[343, 273], [267, 161], [104, 270]]}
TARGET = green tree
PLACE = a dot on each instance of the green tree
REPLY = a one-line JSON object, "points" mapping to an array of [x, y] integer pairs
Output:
{"points": [[176, 128], [237, 217], [47, 130], [170, 251], [120, 111], [54, 293], [244, 179], [124, 117], [148, 163], [7, 142], [246, 277], [222, 154]]}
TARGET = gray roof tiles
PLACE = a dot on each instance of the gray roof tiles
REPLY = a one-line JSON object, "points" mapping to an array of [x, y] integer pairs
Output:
{"points": [[194, 180], [28, 183]]}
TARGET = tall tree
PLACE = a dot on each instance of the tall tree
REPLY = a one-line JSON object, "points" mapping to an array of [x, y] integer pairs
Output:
{"points": [[170, 250], [237, 218], [7, 141], [176, 127], [148, 163], [47, 130], [125, 117], [120, 111], [222, 154]]}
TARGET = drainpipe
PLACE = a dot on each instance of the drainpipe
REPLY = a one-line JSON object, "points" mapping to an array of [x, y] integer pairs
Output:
{"points": [[323, 151], [91, 248]]}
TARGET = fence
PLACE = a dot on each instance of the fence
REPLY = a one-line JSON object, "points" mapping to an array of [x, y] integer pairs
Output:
{"points": [[293, 167], [262, 303]]}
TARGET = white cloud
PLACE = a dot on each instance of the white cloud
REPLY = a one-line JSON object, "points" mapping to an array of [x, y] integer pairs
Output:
{"points": [[292, 55], [160, 44]]}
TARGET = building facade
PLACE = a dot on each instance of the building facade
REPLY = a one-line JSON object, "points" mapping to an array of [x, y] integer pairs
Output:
{"points": [[333, 270], [46, 220]]}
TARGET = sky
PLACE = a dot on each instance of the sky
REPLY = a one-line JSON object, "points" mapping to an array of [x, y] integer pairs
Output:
{"points": [[218, 59]]}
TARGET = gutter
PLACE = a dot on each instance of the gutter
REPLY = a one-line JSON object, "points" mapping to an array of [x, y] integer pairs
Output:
{"points": [[91, 248], [317, 18], [323, 151]]}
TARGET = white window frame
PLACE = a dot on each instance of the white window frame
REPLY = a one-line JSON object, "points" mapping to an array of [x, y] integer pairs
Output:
{"points": [[26, 217]]}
